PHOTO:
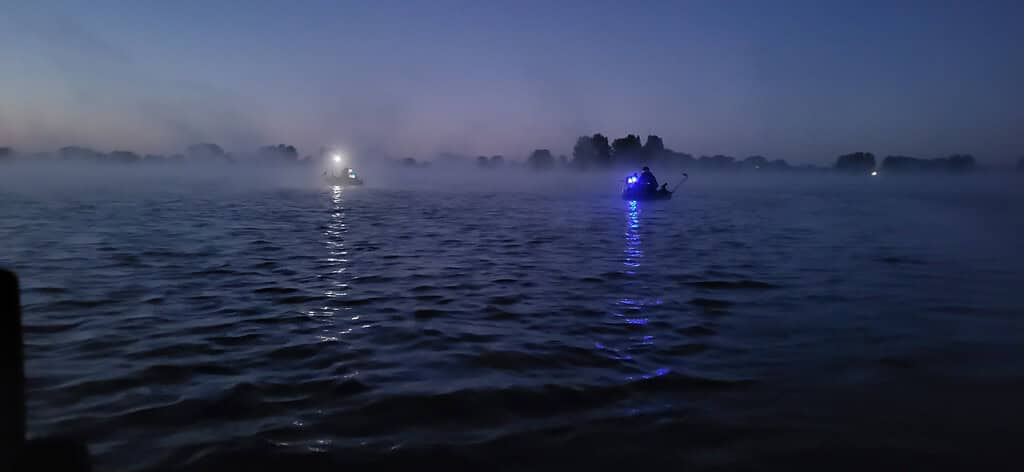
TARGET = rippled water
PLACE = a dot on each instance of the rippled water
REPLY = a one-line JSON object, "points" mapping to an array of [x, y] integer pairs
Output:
{"points": [[737, 326]]}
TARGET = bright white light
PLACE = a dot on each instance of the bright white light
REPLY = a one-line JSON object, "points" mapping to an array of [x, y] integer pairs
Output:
{"points": [[337, 158], [874, 173]]}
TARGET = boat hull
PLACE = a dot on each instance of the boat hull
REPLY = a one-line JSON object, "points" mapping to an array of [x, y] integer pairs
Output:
{"points": [[343, 181], [633, 195]]}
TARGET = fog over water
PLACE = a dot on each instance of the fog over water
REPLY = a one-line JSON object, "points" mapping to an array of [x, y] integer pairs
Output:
{"points": [[206, 316], [830, 277]]}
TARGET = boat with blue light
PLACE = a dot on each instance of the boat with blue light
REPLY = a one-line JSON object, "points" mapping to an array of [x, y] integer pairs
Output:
{"points": [[635, 191]]}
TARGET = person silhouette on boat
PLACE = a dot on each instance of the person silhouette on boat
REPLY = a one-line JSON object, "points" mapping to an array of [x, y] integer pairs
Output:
{"points": [[648, 182]]}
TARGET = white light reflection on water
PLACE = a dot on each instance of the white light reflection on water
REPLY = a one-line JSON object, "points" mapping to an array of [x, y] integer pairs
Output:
{"points": [[337, 268]]}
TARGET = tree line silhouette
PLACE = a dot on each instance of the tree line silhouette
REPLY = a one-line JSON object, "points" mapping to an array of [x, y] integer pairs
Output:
{"points": [[200, 152], [595, 152], [865, 162]]}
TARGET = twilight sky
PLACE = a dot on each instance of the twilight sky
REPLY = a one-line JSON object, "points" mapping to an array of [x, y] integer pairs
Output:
{"points": [[803, 81]]}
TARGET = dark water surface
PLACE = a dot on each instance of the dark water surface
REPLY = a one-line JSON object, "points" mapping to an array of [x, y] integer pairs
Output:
{"points": [[838, 323]]}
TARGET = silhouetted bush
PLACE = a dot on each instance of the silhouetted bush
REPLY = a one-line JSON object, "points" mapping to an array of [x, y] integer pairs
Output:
{"points": [[6, 154], [960, 163], [279, 153], [717, 162], [124, 157], [754, 162], [957, 163], [678, 160], [899, 164], [208, 152], [492, 162], [411, 162], [863, 162], [78, 153]]}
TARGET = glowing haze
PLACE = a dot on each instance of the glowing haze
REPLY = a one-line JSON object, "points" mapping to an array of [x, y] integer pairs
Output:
{"points": [[803, 81]]}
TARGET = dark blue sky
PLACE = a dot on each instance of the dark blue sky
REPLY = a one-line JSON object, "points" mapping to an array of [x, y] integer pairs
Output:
{"points": [[803, 81]]}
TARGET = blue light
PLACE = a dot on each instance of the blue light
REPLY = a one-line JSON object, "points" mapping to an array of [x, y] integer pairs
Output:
{"points": [[631, 180]]}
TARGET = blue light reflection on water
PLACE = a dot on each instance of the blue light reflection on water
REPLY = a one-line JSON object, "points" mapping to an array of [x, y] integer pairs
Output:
{"points": [[634, 252], [631, 308], [633, 255]]}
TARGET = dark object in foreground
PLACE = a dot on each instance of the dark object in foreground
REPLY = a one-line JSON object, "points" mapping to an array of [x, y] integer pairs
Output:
{"points": [[16, 453]]}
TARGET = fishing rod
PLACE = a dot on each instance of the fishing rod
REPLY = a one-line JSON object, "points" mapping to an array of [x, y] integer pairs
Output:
{"points": [[685, 178]]}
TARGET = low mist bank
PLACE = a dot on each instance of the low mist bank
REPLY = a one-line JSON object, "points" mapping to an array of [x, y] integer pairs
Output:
{"points": [[74, 178]]}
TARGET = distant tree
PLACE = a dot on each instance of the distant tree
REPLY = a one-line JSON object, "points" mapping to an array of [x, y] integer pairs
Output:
{"points": [[627, 150], [279, 153], [778, 164], [124, 157], [584, 154], [492, 162], [961, 163], [717, 162], [591, 151], [654, 149], [79, 153], [408, 162], [678, 160], [861, 162], [541, 159], [154, 159], [450, 158], [898, 164], [563, 160], [208, 152], [602, 150], [754, 162], [957, 163], [6, 153]]}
